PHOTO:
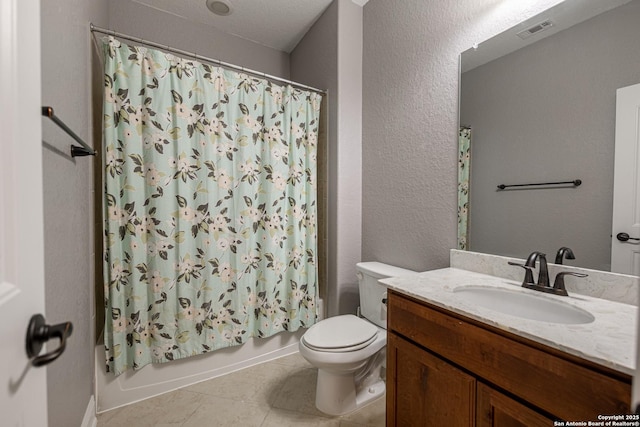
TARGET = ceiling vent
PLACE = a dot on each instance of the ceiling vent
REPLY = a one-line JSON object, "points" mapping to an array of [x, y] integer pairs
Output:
{"points": [[535, 29]]}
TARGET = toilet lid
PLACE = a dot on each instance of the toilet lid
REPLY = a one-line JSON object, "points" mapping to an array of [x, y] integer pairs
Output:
{"points": [[340, 332]]}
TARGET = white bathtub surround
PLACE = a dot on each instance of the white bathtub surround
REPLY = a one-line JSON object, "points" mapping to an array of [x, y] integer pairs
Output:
{"points": [[155, 379], [599, 284], [610, 340]]}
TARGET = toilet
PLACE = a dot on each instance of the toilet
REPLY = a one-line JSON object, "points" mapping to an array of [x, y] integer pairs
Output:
{"points": [[349, 351]]}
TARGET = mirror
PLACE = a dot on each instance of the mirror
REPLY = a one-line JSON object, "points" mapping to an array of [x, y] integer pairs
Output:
{"points": [[539, 100]]}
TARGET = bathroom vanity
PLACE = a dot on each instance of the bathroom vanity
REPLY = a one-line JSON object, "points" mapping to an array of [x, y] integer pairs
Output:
{"points": [[453, 362]]}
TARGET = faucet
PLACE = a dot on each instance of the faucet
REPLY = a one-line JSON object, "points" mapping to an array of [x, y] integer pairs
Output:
{"points": [[543, 275], [529, 265], [564, 252]]}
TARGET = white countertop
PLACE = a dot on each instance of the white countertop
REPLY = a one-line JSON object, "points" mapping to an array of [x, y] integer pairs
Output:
{"points": [[610, 340]]}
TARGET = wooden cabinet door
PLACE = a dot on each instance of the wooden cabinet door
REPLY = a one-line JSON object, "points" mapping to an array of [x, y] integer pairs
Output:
{"points": [[424, 390], [497, 410]]}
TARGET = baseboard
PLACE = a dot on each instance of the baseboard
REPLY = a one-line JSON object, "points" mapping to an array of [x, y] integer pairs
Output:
{"points": [[90, 419]]}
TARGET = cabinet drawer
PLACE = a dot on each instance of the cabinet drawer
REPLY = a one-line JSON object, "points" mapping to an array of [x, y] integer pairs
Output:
{"points": [[559, 386]]}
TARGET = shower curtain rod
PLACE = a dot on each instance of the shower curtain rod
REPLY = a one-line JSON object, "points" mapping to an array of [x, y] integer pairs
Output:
{"points": [[96, 29]]}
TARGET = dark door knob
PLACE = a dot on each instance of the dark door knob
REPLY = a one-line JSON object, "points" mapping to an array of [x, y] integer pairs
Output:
{"points": [[623, 237], [38, 333]]}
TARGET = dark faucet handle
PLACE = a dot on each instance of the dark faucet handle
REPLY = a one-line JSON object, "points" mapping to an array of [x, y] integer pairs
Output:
{"points": [[558, 284], [528, 275]]}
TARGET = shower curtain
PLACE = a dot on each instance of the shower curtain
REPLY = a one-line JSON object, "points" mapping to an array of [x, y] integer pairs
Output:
{"points": [[464, 171], [210, 207]]}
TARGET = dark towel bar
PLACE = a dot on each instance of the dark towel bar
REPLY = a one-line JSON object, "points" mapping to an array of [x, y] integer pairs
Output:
{"points": [[76, 151], [575, 183]]}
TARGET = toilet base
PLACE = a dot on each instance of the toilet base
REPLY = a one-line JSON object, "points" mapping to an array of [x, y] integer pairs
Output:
{"points": [[338, 394], [348, 380]]}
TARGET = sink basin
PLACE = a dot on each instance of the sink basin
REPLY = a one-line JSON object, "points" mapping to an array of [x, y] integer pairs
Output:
{"points": [[524, 304]]}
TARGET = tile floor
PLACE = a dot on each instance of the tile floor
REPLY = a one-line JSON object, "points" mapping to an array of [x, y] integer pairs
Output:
{"points": [[278, 393]]}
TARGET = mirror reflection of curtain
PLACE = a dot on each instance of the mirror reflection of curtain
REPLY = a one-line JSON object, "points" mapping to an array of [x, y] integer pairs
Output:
{"points": [[464, 167], [210, 207]]}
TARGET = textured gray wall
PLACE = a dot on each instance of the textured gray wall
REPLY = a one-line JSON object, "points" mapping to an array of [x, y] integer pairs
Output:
{"points": [[66, 86], [329, 57], [314, 62], [547, 113], [348, 157], [410, 121], [137, 20]]}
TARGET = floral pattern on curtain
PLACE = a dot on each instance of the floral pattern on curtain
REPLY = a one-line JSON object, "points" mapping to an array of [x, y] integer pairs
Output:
{"points": [[210, 207], [464, 170]]}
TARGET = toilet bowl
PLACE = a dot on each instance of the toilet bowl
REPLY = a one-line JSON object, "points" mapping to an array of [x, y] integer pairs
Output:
{"points": [[349, 351]]}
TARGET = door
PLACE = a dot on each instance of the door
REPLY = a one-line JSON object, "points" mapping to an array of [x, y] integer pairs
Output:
{"points": [[625, 254], [23, 396], [424, 390], [495, 409]]}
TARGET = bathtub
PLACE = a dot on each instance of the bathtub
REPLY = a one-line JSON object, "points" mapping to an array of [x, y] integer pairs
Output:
{"points": [[152, 380], [113, 392]]}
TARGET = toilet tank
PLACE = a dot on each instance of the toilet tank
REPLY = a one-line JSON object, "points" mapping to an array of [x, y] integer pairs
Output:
{"points": [[372, 292]]}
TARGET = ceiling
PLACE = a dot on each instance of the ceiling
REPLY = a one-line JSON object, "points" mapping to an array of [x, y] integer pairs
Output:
{"points": [[278, 24], [564, 15]]}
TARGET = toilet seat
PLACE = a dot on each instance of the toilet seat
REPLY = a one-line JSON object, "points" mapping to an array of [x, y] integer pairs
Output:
{"points": [[340, 334]]}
